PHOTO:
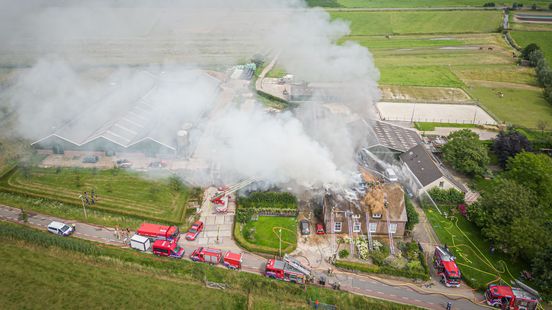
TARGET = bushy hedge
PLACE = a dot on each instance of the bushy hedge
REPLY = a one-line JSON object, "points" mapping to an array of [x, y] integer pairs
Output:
{"points": [[411, 214], [268, 200], [240, 240], [368, 268], [446, 196], [533, 53]]}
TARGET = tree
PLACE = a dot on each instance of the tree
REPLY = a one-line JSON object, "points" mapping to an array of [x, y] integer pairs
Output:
{"points": [[466, 153], [529, 49], [508, 143], [548, 94], [534, 172], [542, 269], [535, 57], [550, 6], [542, 124]]}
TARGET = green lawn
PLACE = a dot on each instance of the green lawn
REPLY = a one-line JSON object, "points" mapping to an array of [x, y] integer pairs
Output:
{"points": [[419, 76], [420, 22], [478, 266], [518, 106], [541, 38], [427, 126], [276, 72], [497, 73], [118, 191], [42, 270], [265, 231], [415, 3]]}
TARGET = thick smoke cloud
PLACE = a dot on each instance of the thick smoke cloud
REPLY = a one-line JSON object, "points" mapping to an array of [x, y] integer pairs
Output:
{"points": [[73, 48]]}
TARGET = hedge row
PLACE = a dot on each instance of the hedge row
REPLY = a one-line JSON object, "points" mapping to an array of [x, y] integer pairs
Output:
{"points": [[268, 200], [411, 214], [240, 240], [368, 268]]}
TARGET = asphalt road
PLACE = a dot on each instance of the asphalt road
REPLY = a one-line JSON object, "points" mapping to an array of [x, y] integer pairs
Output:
{"points": [[401, 292]]}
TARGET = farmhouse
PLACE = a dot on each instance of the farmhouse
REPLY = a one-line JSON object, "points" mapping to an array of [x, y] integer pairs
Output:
{"points": [[380, 212], [423, 168], [136, 118]]}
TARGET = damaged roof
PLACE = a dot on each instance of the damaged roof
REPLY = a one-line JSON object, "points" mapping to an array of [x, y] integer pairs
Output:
{"points": [[395, 137]]}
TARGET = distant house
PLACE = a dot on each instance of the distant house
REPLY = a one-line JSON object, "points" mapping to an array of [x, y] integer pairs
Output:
{"points": [[380, 202], [425, 170]]}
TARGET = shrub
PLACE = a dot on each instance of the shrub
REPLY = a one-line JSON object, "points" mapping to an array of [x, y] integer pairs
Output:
{"points": [[368, 268], [175, 183], [261, 200], [244, 215], [378, 257], [446, 196], [489, 5], [411, 214], [343, 253]]}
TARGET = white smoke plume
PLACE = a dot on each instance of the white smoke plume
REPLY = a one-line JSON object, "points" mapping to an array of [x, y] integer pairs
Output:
{"points": [[82, 52]]}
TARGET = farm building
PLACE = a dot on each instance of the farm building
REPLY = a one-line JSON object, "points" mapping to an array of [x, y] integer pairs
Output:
{"points": [[392, 138], [425, 170], [381, 203], [136, 118]]}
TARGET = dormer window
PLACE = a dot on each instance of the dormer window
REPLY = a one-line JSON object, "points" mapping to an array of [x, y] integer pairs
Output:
{"points": [[376, 215]]}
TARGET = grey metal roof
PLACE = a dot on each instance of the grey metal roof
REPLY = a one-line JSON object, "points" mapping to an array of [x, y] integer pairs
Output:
{"points": [[395, 137], [134, 113], [420, 162]]}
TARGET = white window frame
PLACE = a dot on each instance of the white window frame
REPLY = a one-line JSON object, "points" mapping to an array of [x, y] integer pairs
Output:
{"points": [[373, 227], [355, 225], [376, 215], [393, 227], [340, 226], [356, 216]]}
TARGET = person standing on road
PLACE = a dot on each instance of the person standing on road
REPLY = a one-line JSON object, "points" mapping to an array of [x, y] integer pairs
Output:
{"points": [[449, 305]]}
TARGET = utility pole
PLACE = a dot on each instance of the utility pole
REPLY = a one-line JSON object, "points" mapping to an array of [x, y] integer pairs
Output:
{"points": [[83, 206]]}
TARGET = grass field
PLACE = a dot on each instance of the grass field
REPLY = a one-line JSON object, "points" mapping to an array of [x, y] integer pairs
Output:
{"points": [[419, 76], [38, 273], [118, 191], [415, 3], [541, 38], [478, 266], [420, 22], [498, 73], [265, 231], [426, 126], [518, 106]]}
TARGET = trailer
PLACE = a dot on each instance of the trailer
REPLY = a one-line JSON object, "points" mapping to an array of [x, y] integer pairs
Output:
{"points": [[514, 298], [289, 269], [159, 232], [446, 267], [232, 260], [140, 243], [206, 255]]}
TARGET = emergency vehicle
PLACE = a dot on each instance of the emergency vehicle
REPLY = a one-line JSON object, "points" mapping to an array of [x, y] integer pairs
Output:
{"points": [[206, 255], [232, 260], [288, 269], [514, 298], [446, 267], [167, 248], [159, 232]]}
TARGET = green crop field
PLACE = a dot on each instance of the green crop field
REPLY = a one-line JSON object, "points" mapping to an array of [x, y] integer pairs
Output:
{"points": [[40, 270], [518, 106], [415, 3], [420, 22], [118, 191], [498, 73], [419, 76], [541, 38], [265, 231]]}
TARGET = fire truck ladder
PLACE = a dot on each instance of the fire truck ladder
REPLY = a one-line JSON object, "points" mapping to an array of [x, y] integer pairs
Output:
{"points": [[234, 188], [297, 265], [332, 230], [391, 243], [348, 214], [368, 232]]}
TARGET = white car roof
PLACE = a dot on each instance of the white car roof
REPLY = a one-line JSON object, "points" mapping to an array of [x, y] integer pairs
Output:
{"points": [[57, 225]]}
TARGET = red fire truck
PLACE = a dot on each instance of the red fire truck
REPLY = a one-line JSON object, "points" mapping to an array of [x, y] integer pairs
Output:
{"points": [[232, 260], [511, 298], [446, 267], [167, 248], [288, 269], [206, 255], [159, 232]]}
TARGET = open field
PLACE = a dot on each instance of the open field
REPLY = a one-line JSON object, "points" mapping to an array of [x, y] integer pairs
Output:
{"points": [[419, 22], [419, 76], [497, 73], [479, 268], [265, 231], [118, 191], [433, 112], [416, 93], [415, 3], [518, 106], [42, 269], [422, 126], [541, 38]]}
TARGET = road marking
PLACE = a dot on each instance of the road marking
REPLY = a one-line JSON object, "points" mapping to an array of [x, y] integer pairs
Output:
{"points": [[417, 300], [431, 303], [406, 298], [380, 292], [392, 295]]}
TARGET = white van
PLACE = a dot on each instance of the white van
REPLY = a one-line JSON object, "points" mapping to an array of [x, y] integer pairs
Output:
{"points": [[140, 243], [391, 175], [59, 228]]}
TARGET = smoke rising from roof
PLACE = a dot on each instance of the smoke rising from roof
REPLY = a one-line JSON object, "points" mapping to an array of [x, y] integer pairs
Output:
{"points": [[84, 52]]}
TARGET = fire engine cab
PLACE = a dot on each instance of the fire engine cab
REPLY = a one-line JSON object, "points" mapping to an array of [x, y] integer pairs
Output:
{"points": [[288, 269], [206, 255], [446, 267], [511, 298], [159, 232], [167, 248]]}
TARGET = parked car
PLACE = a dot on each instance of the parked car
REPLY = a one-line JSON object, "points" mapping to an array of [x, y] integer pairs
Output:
{"points": [[304, 225], [194, 231], [320, 229], [391, 175], [60, 228], [90, 159], [124, 163], [158, 164]]}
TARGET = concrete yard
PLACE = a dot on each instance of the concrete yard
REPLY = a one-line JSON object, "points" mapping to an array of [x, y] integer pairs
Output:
{"points": [[431, 112]]}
